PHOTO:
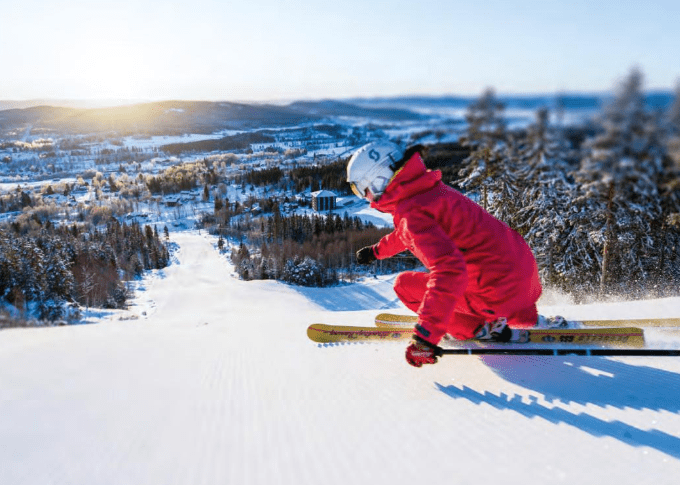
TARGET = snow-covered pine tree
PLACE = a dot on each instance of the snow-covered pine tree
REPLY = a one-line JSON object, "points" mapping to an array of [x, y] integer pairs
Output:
{"points": [[485, 170], [504, 191], [618, 192], [59, 281], [243, 262], [669, 188], [546, 190], [304, 272], [31, 275]]}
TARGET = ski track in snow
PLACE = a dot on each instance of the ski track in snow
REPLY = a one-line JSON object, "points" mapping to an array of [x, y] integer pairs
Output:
{"points": [[218, 384]]}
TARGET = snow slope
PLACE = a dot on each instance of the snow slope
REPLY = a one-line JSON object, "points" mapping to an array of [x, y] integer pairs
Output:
{"points": [[217, 383]]}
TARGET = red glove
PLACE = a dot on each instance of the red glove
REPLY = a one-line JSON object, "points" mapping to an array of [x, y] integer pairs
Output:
{"points": [[422, 352]]}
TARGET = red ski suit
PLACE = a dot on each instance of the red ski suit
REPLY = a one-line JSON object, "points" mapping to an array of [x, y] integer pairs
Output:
{"points": [[479, 268]]}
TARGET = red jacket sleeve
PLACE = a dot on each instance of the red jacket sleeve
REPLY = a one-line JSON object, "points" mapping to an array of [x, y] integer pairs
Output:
{"points": [[447, 271], [389, 245]]}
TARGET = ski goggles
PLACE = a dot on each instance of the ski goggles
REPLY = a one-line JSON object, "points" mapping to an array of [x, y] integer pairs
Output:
{"points": [[356, 191], [367, 195]]}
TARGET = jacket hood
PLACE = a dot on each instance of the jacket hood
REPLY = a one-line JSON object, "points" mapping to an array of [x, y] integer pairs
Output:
{"points": [[413, 178]]}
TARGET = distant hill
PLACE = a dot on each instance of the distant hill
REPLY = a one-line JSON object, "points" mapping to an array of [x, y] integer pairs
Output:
{"points": [[339, 108], [654, 100], [180, 117], [68, 103], [167, 117]]}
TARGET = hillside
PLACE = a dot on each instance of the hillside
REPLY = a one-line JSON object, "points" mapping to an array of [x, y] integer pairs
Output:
{"points": [[216, 382]]}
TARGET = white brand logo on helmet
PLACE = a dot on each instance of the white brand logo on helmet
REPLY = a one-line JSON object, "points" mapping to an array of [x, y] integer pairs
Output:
{"points": [[373, 155]]}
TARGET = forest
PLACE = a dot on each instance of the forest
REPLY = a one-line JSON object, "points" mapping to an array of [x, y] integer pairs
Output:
{"points": [[307, 250], [56, 268]]}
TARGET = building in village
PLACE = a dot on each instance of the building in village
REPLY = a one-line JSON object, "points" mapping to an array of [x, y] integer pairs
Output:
{"points": [[323, 200]]}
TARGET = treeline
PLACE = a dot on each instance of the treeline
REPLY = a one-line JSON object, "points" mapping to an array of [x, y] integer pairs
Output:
{"points": [[263, 177], [308, 250], [120, 155], [241, 141], [329, 176], [186, 176], [326, 175], [46, 273], [15, 201]]}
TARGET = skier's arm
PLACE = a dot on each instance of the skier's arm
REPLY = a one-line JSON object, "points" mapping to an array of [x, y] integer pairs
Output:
{"points": [[389, 245], [448, 273]]}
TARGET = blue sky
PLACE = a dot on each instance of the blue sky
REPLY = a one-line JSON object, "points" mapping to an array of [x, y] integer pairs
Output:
{"points": [[263, 50]]}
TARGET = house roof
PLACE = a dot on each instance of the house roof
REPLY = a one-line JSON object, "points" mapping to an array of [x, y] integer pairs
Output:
{"points": [[323, 193]]}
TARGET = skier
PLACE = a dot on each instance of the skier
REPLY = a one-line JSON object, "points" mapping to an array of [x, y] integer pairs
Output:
{"points": [[482, 277]]}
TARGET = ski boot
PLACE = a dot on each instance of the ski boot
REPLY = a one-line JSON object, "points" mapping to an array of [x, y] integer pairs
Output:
{"points": [[500, 331], [552, 322], [496, 331]]}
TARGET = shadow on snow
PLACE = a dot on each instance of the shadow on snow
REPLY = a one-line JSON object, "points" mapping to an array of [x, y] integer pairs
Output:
{"points": [[585, 380], [350, 298]]}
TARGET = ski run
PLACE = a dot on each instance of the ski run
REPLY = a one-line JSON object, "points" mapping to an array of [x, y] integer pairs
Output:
{"points": [[207, 379]]}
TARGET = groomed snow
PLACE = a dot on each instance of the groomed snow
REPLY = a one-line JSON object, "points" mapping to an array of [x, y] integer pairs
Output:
{"points": [[216, 382]]}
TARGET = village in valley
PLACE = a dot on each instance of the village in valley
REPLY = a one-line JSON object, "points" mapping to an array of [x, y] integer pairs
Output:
{"points": [[94, 193], [67, 171], [159, 168]]}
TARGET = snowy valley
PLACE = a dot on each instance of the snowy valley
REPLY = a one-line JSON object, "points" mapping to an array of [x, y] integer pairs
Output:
{"points": [[202, 377]]}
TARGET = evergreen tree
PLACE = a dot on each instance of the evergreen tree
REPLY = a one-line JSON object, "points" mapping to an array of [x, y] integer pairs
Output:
{"points": [[619, 178], [543, 216], [669, 189], [486, 172]]}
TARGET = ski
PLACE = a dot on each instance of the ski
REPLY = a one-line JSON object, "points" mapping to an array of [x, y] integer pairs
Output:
{"points": [[626, 336], [394, 320]]}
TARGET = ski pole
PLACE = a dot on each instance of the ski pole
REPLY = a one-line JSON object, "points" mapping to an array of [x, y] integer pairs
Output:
{"points": [[584, 352]]}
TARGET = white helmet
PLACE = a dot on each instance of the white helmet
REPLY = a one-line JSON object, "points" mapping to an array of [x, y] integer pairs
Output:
{"points": [[372, 167]]}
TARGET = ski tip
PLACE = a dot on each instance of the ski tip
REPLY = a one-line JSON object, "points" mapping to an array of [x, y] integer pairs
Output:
{"points": [[316, 333]]}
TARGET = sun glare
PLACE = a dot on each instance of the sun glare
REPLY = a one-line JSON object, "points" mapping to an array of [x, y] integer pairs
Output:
{"points": [[109, 69]]}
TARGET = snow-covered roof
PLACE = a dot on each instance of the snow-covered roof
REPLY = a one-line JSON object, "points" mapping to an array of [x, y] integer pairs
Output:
{"points": [[323, 193]]}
